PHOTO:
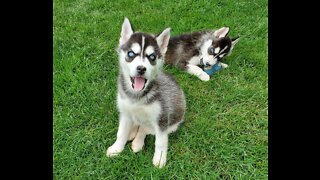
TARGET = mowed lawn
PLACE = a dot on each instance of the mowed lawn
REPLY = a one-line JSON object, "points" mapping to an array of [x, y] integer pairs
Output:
{"points": [[225, 134]]}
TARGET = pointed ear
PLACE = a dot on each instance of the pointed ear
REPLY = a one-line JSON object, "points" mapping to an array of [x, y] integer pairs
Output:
{"points": [[126, 31], [222, 32], [163, 40], [234, 41]]}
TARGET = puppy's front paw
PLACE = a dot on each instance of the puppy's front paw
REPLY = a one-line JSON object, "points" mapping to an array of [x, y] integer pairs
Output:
{"points": [[204, 76], [114, 150], [159, 159], [224, 65]]}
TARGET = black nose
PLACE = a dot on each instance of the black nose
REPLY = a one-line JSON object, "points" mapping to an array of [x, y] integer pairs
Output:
{"points": [[207, 64], [141, 70]]}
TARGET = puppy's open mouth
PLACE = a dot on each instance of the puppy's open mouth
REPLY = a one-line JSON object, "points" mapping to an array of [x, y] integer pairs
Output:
{"points": [[138, 83]]}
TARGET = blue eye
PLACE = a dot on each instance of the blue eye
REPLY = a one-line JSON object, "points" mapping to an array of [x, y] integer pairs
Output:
{"points": [[131, 54], [211, 51], [152, 57]]}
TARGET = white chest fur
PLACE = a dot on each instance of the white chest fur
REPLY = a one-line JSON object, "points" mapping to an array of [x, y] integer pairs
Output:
{"points": [[138, 111]]}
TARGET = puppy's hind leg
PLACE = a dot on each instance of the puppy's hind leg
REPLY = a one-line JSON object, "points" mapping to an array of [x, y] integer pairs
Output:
{"points": [[138, 141], [133, 132]]}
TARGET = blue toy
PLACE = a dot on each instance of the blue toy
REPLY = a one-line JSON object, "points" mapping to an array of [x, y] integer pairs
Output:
{"points": [[213, 69]]}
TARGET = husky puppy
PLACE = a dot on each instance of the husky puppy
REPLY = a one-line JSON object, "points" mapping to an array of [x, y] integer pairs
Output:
{"points": [[206, 48], [149, 101]]}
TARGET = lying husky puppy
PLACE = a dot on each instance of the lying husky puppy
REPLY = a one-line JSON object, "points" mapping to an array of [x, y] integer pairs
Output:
{"points": [[189, 51], [149, 101]]}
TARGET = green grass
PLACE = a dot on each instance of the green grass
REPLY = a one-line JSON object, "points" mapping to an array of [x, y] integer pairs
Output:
{"points": [[225, 134]]}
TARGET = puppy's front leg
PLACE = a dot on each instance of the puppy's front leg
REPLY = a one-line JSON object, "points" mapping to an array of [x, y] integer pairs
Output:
{"points": [[161, 147], [223, 65], [125, 125], [195, 70]]}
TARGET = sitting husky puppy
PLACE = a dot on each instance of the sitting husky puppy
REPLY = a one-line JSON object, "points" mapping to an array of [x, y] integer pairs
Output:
{"points": [[149, 101], [189, 51]]}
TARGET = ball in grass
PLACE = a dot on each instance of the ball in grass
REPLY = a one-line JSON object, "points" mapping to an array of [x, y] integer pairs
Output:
{"points": [[211, 70]]}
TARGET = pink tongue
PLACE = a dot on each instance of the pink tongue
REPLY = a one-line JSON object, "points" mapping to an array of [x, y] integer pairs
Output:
{"points": [[138, 83]]}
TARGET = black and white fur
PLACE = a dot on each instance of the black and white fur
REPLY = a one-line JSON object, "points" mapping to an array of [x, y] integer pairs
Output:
{"points": [[206, 48], [154, 104]]}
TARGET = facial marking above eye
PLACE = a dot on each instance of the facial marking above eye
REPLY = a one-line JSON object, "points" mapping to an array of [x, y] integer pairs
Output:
{"points": [[152, 57], [131, 54], [217, 50]]}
